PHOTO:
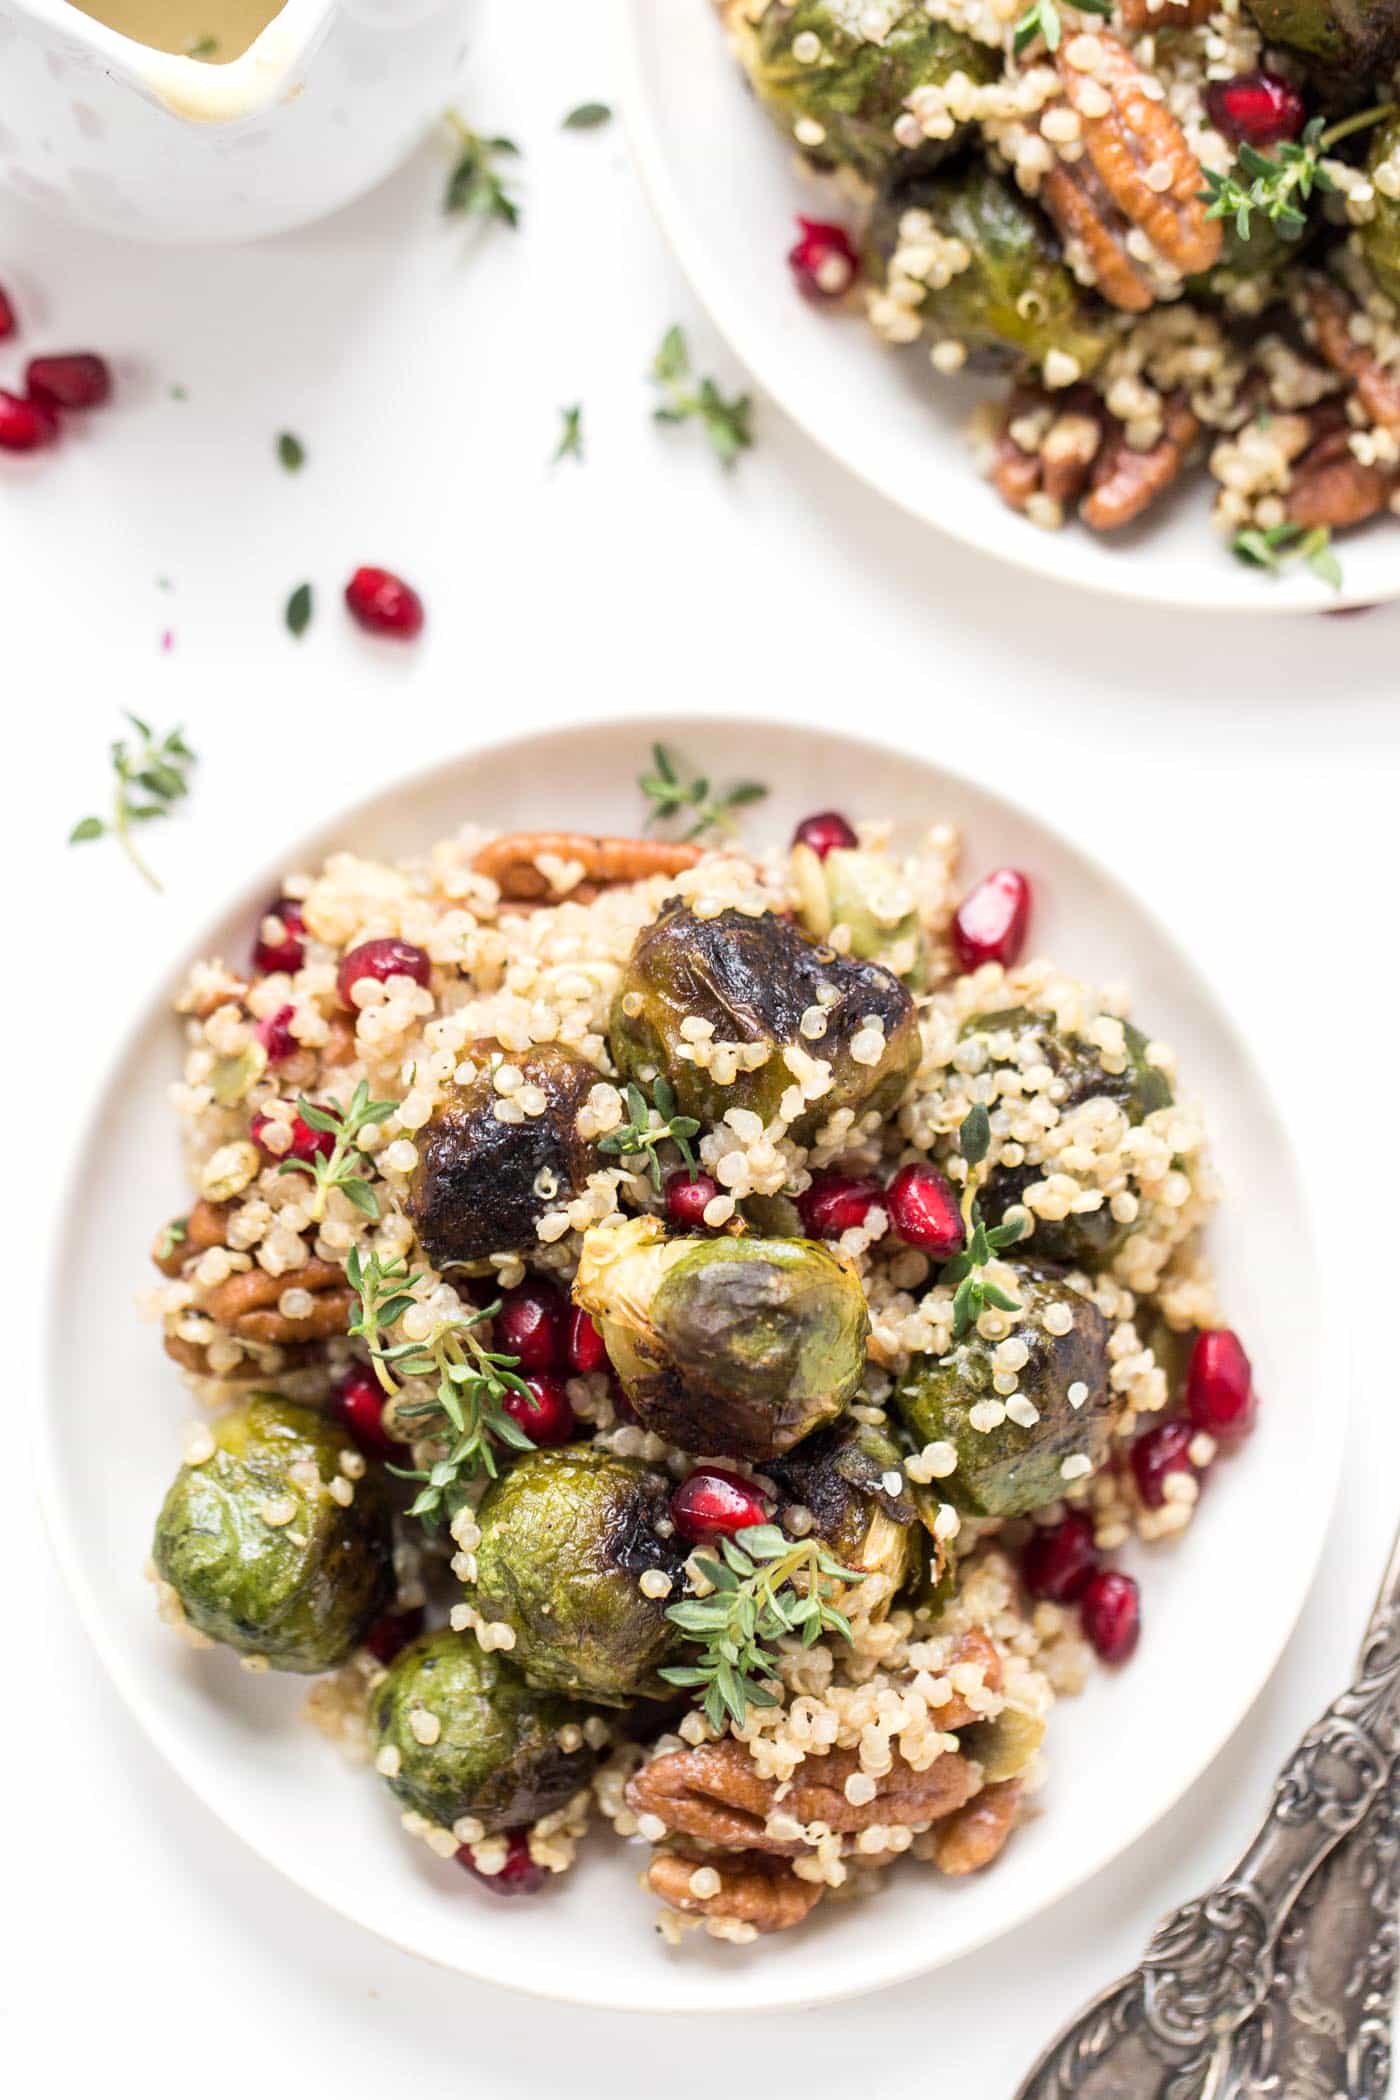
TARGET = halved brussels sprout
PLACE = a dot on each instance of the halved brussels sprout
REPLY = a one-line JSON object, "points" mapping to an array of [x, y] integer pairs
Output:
{"points": [[481, 1185], [753, 979], [842, 1476], [838, 90], [566, 1536], [1004, 1745], [865, 893], [1346, 43], [1010, 1469], [1016, 293], [496, 1754], [260, 1554], [1380, 237], [726, 1346]]}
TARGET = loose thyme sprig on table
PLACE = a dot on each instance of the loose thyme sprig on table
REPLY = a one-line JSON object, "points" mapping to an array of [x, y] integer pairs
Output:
{"points": [[472, 1383], [671, 796], [724, 419], [151, 777], [755, 1603], [344, 1166], [1275, 184], [1270, 546], [642, 1135], [570, 445], [475, 187], [1042, 19], [974, 1291]]}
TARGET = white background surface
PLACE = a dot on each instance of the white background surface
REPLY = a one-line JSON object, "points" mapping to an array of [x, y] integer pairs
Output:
{"points": [[1242, 775]]}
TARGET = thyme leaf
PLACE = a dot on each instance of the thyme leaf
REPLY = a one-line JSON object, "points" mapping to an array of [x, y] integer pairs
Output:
{"points": [[1269, 547], [765, 1587], [589, 116], [475, 186], [1042, 19], [654, 1123], [973, 1291], [724, 419], [290, 451], [151, 776], [298, 610], [570, 445], [345, 1166], [672, 796], [1276, 185]]}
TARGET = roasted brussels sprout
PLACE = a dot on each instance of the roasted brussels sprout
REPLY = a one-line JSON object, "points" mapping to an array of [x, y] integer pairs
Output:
{"points": [[1015, 292], [1243, 279], [1345, 43], [842, 103], [1380, 237], [734, 1346], [1010, 1469], [1004, 1745], [496, 1754], [753, 979], [566, 1536], [481, 1185], [865, 893], [1085, 1239], [842, 1476], [263, 1560]]}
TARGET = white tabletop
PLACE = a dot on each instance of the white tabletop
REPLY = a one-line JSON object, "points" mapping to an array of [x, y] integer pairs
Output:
{"points": [[1242, 775]]}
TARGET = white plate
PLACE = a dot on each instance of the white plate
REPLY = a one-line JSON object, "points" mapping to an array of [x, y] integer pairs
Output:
{"points": [[1217, 1611], [726, 188]]}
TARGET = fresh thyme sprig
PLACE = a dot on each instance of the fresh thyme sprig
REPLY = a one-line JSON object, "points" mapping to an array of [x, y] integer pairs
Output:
{"points": [[1269, 546], [670, 796], [724, 419], [344, 1166], [643, 1135], [1276, 184], [973, 1291], [570, 445], [1042, 19], [472, 1382], [755, 1602], [475, 187], [151, 777]]}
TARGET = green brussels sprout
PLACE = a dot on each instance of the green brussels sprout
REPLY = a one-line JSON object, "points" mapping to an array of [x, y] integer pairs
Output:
{"points": [[842, 105], [865, 893], [1009, 1470], [496, 1755], [1245, 279], [753, 979], [1004, 1745], [477, 1187], [1016, 294], [565, 1537], [841, 1475], [1380, 237], [737, 1346], [1345, 43], [261, 1559], [1084, 1239]]}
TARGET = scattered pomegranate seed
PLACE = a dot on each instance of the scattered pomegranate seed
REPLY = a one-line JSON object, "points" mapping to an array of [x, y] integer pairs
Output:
{"points": [[306, 1143], [990, 924], [8, 323], [836, 1202], [1256, 109], [275, 1034], [1158, 1452], [546, 1417], [714, 1502], [520, 1876], [824, 833], [923, 1211], [1060, 1559], [358, 1402], [381, 960], [289, 952], [76, 379], [390, 1635], [24, 425], [530, 1325], [686, 1197], [1220, 1396], [1110, 1611], [824, 264], [585, 1345], [384, 604]]}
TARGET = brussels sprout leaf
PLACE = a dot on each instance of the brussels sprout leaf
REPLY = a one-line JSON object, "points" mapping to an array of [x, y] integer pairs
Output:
{"points": [[762, 1586]]}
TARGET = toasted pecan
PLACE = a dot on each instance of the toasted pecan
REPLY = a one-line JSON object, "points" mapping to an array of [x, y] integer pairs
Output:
{"points": [[1328, 314], [754, 1887], [974, 1834], [247, 1303], [1125, 482], [1331, 487], [205, 1227], [1138, 15], [512, 862], [194, 1358]]}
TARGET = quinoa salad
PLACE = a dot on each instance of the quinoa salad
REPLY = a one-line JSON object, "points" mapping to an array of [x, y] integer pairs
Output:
{"points": [[1175, 224], [678, 1337]]}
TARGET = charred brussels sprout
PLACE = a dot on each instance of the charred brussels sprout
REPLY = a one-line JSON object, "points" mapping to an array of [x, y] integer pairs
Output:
{"points": [[1010, 1469], [842, 1475], [496, 1754], [1345, 43], [1013, 294], [265, 1562], [565, 1538], [477, 1189], [1380, 237], [734, 1346], [753, 979], [865, 893], [841, 104]]}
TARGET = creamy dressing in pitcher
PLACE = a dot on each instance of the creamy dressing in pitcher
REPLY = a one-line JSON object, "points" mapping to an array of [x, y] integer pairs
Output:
{"points": [[216, 31]]}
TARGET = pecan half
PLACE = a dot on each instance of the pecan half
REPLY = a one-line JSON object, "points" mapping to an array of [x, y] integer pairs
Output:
{"points": [[194, 1358], [1328, 314], [510, 862], [247, 1303], [203, 1228], [973, 1835], [1112, 190], [1126, 482], [1138, 15], [1330, 486], [1084, 448], [754, 1887]]}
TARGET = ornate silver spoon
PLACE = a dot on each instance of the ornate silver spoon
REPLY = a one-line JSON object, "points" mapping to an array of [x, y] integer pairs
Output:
{"points": [[1164, 2031]]}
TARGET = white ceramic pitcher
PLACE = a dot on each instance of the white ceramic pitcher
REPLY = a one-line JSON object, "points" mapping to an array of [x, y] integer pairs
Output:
{"points": [[331, 96]]}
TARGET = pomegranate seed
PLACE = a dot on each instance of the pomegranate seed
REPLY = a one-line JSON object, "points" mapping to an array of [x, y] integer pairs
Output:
{"points": [[359, 1403], [8, 323], [381, 960], [24, 425], [686, 1197], [1060, 1559], [990, 924], [924, 1211], [275, 1034], [520, 1876], [390, 1635], [77, 379], [1110, 1611], [384, 604], [823, 263], [824, 833], [585, 1345], [546, 1417], [306, 1143], [530, 1325], [1220, 1395], [287, 953], [836, 1202], [1256, 109], [1158, 1452], [715, 1502]]}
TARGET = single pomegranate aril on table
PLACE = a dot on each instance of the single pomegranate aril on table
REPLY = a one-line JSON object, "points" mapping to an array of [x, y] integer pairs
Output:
{"points": [[1256, 109], [274, 1032], [825, 833], [1059, 1559], [530, 1325], [923, 1212], [383, 603], [836, 1202], [1158, 1452], [715, 1503], [546, 1417], [520, 1876], [358, 1402], [824, 263], [585, 1345], [991, 922], [8, 323], [1220, 1396], [686, 1197], [76, 379], [390, 1635], [25, 425], [284, 951], [1110, 1611]]}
